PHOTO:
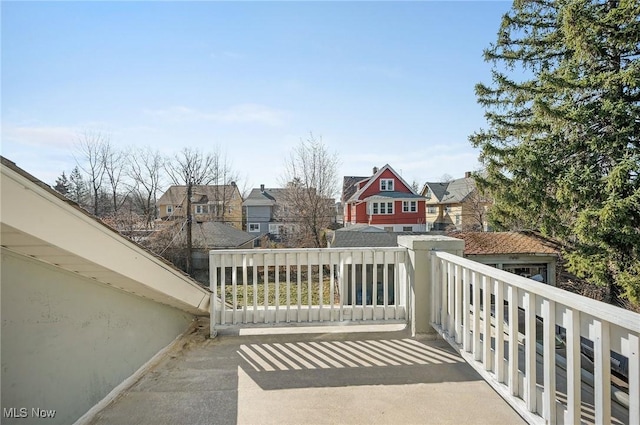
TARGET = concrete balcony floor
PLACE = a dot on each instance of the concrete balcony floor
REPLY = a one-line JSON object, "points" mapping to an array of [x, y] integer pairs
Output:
{"points": [[353, 377]]}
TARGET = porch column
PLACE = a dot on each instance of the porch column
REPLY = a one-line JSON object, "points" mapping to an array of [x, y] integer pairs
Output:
{"points": [[420, 284]]}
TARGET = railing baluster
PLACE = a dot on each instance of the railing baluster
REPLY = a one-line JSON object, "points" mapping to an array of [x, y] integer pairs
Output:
{"points": [[374, 287], [512, 295], [574, 378], [254, 273], [451, 296], [633, 355], [245, 291], [602, 372], [458, 321], [486, 322], [364, 285], [396, 287], [288, 277], [332, 294], [343, 284], [466, 306], [498, 362], [265, 284], [213, 286], [549, 359], [385, 285], [435, 274], [443, 293], [309, 288], [477, 352], [276, 270], [320, 287], [234, 288], [530, 351], [223, 290], [353, 286], [299, 285]]}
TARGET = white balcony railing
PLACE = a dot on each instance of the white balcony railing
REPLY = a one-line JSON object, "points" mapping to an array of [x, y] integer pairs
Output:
{"points": [[552, 355], [532, 341], [308, 285]]}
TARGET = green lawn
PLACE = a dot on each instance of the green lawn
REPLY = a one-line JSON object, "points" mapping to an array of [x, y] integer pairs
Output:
{"points": [[282, 292]]}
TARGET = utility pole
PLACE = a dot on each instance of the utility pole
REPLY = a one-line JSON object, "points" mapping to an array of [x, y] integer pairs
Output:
{"points": [[189, 223]]}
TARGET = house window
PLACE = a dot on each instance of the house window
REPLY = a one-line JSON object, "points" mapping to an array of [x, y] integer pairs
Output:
{"points": [[431, 210], [275, 229], [388, 228], [254, 227], [382, 208], [428, 194], [409, 206], [457, 218], [202, 209], [169, 209], [386, 184], [407, 228]]}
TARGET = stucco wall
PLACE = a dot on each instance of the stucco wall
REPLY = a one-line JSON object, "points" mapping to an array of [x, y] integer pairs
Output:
{"points": [[67, 340]]}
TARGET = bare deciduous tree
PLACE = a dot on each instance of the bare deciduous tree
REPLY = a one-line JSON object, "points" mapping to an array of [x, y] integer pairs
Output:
{"points": [[114, 167], [144, 167], [225, 178], [90, 147], [311, 181], [476, 208], [190, 167]]}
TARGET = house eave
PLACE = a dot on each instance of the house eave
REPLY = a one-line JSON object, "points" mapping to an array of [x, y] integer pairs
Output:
{"points": [[39, 223]]}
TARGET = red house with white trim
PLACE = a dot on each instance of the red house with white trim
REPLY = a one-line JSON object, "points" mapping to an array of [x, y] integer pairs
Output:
{"points": [[386, 201]]}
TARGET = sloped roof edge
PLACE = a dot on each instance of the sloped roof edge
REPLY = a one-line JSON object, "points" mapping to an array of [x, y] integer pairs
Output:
{"points": [[71, 238]]}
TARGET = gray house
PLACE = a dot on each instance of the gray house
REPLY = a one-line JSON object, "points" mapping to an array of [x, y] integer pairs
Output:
{"points": [[264, 214]]}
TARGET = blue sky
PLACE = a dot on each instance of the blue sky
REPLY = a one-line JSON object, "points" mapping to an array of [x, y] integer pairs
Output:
{"points": [[380, 82]]}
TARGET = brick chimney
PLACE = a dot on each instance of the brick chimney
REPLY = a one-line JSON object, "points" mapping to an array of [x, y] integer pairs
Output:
{"points": [[375, 170], [467, 174]]}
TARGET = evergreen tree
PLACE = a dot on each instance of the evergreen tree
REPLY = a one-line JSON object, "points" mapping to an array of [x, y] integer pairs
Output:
{"points": [[78, 190], [62, 184], [562, 151]]}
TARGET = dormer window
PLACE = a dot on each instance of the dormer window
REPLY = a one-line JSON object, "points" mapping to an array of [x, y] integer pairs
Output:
{"points": [[386, 185]]}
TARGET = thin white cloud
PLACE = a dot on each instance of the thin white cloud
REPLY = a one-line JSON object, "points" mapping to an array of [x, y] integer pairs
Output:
{"points": [[248, 113], [51, 137]]}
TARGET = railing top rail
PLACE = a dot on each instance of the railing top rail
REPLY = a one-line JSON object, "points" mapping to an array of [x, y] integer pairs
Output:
{"points": [[303, 250], [616, 315]]}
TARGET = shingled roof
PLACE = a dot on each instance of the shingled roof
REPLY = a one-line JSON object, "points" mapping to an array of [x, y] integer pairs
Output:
{"points": [[216, 235], [499, 243], [452, 192], [264, 197], [176, 195], [350, 186]]}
